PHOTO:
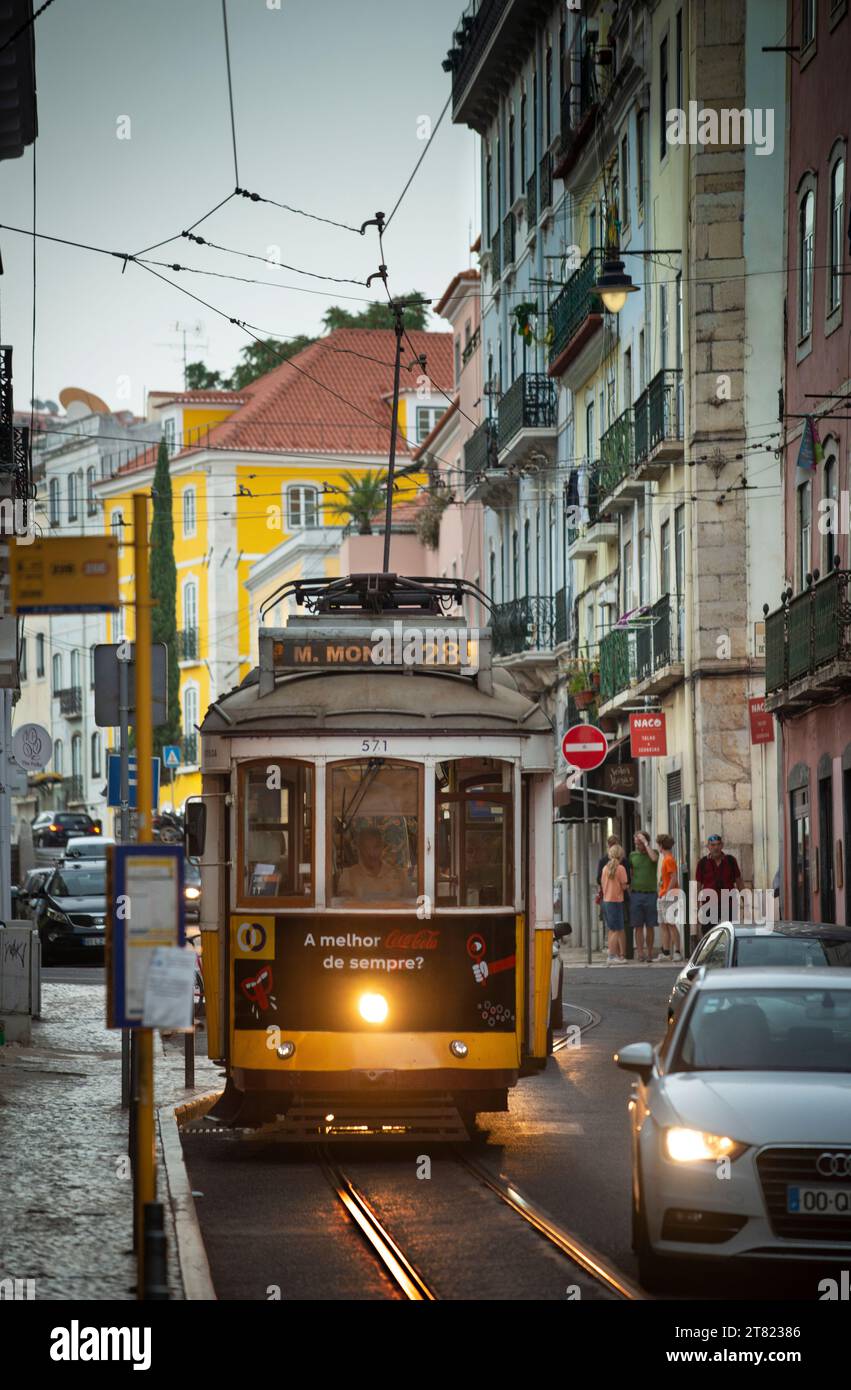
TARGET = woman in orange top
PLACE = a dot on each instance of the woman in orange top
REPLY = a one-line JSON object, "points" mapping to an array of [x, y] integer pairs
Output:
{"points": [[668, 882], [613, 883]]}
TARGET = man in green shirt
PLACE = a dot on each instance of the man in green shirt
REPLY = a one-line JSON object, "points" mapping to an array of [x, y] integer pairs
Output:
{"points": [[643, 897]]}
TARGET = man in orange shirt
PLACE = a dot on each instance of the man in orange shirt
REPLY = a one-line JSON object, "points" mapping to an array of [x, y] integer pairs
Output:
{"points": [[668, 883]]}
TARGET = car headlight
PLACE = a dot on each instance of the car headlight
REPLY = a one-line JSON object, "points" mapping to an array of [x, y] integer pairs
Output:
{"points": [[54, 916], [192, 893], [697, 1146]]}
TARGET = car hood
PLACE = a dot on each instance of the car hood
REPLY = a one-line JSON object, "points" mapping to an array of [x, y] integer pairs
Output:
{"points": [[96, 906], [760, 1107]]}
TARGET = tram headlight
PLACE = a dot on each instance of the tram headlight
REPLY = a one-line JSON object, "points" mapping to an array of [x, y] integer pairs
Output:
{"points": [[458, 1049], [373, 1008], [285, 1050]]}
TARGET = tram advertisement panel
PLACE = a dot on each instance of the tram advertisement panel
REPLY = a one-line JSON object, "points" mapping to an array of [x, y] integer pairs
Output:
{"points": [[450, 972]]}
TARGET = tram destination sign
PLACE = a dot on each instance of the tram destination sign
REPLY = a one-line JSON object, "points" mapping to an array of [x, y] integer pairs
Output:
{"points": [[447, 648]]}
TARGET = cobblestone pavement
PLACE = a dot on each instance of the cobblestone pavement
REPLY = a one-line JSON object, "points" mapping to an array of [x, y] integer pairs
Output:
{"points": [[66, 1219]]}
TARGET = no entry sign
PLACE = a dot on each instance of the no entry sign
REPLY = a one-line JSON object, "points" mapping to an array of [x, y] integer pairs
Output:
{"points": [[584, 746]]}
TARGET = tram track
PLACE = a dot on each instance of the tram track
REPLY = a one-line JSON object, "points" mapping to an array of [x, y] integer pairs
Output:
{"points": [[593, 1020]]}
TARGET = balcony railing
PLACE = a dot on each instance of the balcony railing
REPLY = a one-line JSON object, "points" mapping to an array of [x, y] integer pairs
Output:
{"points": [[523, 625], [187, 644], [74, 789], [508, 240], [496, 268], [189, 749], [617, 452], [530, 403], [562, 617], [615, 650], [658, 639], [576, 301], [545, 181], [531, 201], [810, 632], [71, 701], [480, 452], [482, 20], [470, 347], [659, 413]]}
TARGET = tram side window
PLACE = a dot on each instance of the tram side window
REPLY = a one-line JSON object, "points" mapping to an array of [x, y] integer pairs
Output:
{"points": [[374, 852], [277, 830], [474, 833]]}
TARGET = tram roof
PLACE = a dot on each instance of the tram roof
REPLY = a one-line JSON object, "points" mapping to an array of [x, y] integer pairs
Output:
{"points": [[427, 702]]}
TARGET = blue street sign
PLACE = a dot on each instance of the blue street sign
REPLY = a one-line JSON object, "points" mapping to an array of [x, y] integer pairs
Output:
{"points": [[113, 780], [171, 754]]}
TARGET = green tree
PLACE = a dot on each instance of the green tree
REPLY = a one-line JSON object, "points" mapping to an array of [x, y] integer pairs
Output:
{"points": [[164, 596], [378, 314], [362, 499], [201, 378], [258, 358]]}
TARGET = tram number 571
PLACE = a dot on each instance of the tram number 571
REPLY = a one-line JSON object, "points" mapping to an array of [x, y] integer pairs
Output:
{"points": [[374, 745]]}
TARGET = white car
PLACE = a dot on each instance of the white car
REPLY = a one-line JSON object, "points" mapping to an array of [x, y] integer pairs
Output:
{"points": [[741, 1123], [86, 847]]}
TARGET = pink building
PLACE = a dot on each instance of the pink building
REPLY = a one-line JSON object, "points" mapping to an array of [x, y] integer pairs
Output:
{"points": [[808, 638]]}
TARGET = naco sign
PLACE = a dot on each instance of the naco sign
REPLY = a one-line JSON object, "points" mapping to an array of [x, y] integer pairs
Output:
{"points": [[648, 735]]}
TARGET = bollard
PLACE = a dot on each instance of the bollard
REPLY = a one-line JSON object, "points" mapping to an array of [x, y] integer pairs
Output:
{"points": [[189, 1058], [155, 1263]]}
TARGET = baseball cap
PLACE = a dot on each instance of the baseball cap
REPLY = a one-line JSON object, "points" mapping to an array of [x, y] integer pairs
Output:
{"points": [[713, 839]]}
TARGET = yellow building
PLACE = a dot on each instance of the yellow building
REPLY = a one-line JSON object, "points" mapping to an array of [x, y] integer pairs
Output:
{"points": [[257, 482]]}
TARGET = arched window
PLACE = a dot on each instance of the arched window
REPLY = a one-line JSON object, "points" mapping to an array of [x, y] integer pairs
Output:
{"points": [[302, 507], [53, 492], [57, 672], [92, 667], [190, 605], [805, 514], [91, 500], [190, 719], [830, 522], [58, 752], [189, 511], [96, 755], [75, 667], [77, 755], [527, 557], [806, 235], [72, 497], [837, 218]]}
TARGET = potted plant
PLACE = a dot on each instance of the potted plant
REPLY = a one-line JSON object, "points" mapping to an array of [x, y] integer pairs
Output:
{"points": [[582, 690]]}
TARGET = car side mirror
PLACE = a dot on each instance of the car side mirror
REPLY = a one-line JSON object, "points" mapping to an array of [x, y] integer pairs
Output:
{"points": [[638, 1057], [195, 828], [692, 972]]}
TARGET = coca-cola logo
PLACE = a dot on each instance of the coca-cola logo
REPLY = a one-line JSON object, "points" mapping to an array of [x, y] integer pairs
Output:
{"points": [[425, 939]]}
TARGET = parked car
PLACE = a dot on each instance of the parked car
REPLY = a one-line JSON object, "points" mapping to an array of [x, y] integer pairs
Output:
{"points": [[87, 847], [756, 1070], [51, 831], [192, 890], [783, 943], [29, 893], [73, 913]]}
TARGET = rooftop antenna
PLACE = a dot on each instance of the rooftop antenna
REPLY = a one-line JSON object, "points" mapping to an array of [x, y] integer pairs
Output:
{"points": [[185, 331]]}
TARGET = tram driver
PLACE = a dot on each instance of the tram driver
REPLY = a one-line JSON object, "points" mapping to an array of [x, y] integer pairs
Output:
{"points": [[372, 878]]}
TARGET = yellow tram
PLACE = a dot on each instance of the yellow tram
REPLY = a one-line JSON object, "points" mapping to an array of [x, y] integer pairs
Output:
{"points": [[376, 868]]}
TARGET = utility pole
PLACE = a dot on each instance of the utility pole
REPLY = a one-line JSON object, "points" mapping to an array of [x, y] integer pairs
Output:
{"points": [[146, 1173], [398, 306]]}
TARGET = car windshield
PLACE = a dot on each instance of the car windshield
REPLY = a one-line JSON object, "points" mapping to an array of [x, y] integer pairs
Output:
{"points": [[791, 950], [73, 882], [80, 823], [795, 1029]]}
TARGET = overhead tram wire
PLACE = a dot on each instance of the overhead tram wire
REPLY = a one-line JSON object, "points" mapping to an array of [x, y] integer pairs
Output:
{"points": [[435, 129], [230, 90]]}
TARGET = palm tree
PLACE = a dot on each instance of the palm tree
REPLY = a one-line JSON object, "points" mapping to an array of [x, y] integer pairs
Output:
{"points": [[362, 498]]}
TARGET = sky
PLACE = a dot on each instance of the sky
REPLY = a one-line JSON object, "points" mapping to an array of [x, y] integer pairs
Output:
{"points": [[135, 145]]}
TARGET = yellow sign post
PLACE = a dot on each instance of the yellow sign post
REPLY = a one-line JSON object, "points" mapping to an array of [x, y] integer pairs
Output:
{"points": [[65, 574]]}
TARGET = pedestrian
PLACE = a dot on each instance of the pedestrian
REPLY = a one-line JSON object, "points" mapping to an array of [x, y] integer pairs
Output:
{"points": [[613, 883], [668, 881], [643, 900], [716, 872], [601, 864]]}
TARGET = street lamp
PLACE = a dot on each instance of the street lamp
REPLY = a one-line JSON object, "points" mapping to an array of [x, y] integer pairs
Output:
{"points": [[614, 284]]}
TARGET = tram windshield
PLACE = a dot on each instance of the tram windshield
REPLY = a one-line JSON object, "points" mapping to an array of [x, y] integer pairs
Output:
{"points": [[277, 831], [374, 830], [474, 833]]}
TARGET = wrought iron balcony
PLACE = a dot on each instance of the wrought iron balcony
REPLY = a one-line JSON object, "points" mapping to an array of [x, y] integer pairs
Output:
{"points": [[531, 201], [470, 347], [572, 308], [658, 639], [74, 788], [496, 268], [659, 413], [530, 403], [646, 655], [545, 181], [615, 663], [617, 452], [508, 240], [808, 644], [562, 617], [523, 625], [480, 456], [187, 644], [189, 749], [578, 103], [70, 701]]}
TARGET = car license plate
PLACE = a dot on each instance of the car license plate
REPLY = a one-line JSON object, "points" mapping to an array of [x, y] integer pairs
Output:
{"points": [[92, 940], [818, 1201]]}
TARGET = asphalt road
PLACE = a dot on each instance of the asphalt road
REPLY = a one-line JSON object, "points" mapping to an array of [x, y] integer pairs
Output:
{"points": [[73, 974]]}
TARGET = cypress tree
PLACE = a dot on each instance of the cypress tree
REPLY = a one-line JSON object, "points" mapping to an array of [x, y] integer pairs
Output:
{"points": [[164, 596]]}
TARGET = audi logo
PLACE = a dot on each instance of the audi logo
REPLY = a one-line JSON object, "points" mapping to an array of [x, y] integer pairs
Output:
{"points": [[834, 1165]]}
